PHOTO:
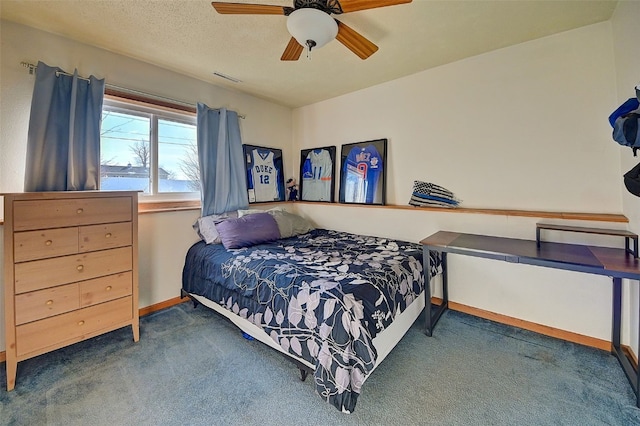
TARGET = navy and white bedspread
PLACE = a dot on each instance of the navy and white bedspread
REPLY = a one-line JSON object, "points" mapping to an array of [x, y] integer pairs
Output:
{"points": [[322, 296]]}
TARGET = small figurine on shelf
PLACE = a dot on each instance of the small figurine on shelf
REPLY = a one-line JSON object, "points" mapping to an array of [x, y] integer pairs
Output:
{"points": [[292, 189]]}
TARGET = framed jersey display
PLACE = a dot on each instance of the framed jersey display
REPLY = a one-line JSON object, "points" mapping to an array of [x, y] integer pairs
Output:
{"points": [[363, 177], [265, 182], [317, 174]]}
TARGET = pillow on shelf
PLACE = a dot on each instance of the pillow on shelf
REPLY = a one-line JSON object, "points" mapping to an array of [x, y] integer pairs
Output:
{"points": [[427, 194], [205, 226], [290, 224], [248, 230]]}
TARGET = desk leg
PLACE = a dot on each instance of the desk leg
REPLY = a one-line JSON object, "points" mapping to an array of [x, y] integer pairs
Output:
{"points": [[445, 281], [637, 387], [623, 358], [617, 312], [432, 317], [426, 270]]}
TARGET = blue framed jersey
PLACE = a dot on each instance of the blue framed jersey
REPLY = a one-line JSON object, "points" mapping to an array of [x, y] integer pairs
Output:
{"points": [[362, 174]]}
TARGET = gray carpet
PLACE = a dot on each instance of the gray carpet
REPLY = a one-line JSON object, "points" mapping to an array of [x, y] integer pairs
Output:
{"points": [[191, 367]]}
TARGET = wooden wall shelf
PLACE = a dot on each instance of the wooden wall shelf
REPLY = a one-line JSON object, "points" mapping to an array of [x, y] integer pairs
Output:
{"points": [[598, 217], [170, 206]]}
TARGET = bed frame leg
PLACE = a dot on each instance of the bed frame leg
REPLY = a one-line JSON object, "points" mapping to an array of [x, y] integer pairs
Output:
{"points": [[184, 294], [303, 374]]}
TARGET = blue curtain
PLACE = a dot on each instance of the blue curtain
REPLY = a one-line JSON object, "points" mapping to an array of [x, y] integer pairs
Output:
{"points": [[63, 144], [222, 176]]}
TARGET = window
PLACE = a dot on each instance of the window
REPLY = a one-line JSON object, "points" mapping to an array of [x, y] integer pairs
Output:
{"points": [[147, 148]]}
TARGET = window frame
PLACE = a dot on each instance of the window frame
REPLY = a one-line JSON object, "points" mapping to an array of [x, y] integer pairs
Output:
{"points": [[153, 110]]}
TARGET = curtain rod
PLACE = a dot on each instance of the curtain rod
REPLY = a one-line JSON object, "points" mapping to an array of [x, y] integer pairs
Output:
{"points": [[33, 68]]}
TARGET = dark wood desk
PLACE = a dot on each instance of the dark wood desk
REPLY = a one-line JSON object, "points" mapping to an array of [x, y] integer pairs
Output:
{"points": [[612, 262]]}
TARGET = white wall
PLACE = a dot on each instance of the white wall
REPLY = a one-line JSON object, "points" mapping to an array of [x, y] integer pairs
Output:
{"points": [[523, 127], [626, 33], [165, 237]]}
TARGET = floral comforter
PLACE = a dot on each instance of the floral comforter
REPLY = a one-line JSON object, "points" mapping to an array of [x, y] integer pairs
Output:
{"points": [[322, 296]]}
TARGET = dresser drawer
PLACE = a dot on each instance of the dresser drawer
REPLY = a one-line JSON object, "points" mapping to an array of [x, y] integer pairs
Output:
{"points": [[32, 245], [105, 288], [39, 274], [46, 303], [61, 329], [100, 237], [42, 214]]}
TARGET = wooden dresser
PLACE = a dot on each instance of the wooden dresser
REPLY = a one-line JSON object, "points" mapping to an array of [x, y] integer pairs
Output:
{"points": [[70, 269]]}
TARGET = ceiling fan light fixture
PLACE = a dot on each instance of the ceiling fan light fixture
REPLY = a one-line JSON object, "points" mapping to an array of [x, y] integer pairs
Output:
{"points": [[312, 28]]}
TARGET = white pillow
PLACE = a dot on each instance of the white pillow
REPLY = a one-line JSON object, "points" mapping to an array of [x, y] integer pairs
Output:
{"points": [[205, 226]]}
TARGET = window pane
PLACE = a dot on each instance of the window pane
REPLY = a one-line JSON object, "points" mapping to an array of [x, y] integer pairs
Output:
{"points": [[125, 152], [178, 169]]}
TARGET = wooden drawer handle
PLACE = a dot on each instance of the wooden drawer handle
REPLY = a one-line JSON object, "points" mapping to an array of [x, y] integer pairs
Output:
{"points": [[49, 302], [107, 235], [80, 267], [80, 210], [108, 288], [48, 243], [80, 322]]}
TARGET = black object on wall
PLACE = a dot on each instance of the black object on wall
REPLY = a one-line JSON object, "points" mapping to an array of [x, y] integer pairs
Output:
{"points": [[632, 180]]}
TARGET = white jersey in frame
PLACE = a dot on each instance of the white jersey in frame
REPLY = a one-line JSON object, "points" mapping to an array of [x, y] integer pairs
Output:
{"points": [[264, 176], [316, 176]]}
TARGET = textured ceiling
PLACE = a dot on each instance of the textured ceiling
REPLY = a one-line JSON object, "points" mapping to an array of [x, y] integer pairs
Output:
{"points": [[189, 37]]}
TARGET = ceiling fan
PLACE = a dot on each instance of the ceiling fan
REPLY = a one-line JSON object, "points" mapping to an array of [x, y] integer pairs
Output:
{"points": [[310, 23]]}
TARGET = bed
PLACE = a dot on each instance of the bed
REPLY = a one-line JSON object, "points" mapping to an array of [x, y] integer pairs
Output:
{"points": [[335, 303]]}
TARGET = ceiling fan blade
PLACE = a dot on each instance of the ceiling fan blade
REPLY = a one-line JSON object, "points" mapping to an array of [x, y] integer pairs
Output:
{"points": [[355, 42], [354, 5], [292, 51], [248, 9]]}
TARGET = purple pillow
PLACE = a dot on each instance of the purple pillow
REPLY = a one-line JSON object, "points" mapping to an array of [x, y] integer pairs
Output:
{"points": [[248, 230]]}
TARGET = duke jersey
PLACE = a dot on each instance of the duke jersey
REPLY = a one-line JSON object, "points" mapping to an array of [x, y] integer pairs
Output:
{"points": [[264, 176], [316, 176], [362, 170]]}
